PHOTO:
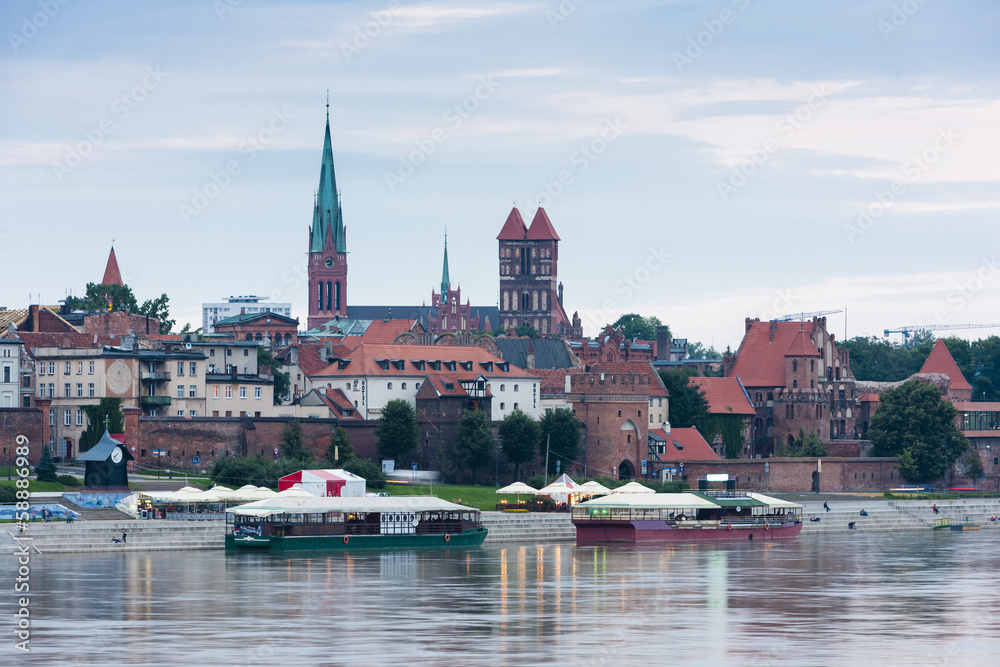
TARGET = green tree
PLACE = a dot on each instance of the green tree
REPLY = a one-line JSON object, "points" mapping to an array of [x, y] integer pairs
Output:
{"points": [[915, 425], [730, 428], [398, 432], [474, 441], [103, 298], [973, 463], [560, 432], [637, 326], [519, 436], [526, 330], [159, 309], [340, 448], [368, 469], [696, 350], [46, 469], [808, 444], [107, 408], [293, 442], [688, 405], [282, 380]]}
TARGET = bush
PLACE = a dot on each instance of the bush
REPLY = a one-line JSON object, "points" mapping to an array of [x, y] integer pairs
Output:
{"points": [[536, 481], [8, 494], [368, 469], [69, 480]]}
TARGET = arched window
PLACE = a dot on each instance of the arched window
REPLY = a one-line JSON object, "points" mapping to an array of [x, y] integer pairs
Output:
{"points": [[795, 366], [534, 300], [502, 406], [329, 296], [288, 338], [249, 336], [506, 300], [389, 386], [837, 372], [257, 336], [526, 304], [336, 295], [503, 387], [319, 292]]}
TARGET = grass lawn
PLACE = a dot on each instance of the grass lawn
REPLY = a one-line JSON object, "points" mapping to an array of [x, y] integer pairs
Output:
{"points": [[35, 485], [484, 498]]}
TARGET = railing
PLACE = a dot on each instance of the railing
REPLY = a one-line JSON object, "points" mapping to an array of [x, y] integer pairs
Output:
{"points": [[157, 376], [155, 400], [531, 507]]}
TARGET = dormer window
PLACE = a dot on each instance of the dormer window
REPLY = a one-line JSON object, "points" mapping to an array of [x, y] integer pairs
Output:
{"points": [[383, 364], [467, 365], [487, 365], [435, 365], [449, 386], [419, 365]]}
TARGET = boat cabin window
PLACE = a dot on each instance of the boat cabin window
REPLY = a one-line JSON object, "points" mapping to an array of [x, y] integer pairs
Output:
{"points": [[466, 516], [335, 517], [315, 518], [295, 517]]}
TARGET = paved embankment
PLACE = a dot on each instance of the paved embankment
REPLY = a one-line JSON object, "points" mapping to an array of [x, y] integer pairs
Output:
{"points": [[96, 536], [524, 527], [893, 515]]}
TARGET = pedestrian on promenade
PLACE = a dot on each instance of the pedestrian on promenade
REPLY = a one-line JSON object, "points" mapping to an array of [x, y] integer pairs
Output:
{"points": [[124, 536], [825, 506], [935, 509]]}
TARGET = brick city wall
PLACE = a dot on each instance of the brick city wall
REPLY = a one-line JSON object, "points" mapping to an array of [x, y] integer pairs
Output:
{"points": [[26, 422], [790, 475]]}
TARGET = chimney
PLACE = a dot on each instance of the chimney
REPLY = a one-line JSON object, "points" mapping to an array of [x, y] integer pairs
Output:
{"points": [[773, 330], [749, 323], [33, 323], [531, 356], [560, 293], [569, 383], [666, 427], [662, 343]]}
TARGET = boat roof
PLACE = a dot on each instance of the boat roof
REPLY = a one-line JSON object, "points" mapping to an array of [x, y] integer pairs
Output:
{"points": [[736, 501], [652, 501], [774, 502], [278, 505]]}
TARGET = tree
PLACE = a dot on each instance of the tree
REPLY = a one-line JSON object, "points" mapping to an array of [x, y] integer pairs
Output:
{"points": [[109, 409], [282, 380], [398, 434], [46, 470], [730, 428], [104, 298], [519, 436], [474, 440], [808, 444], [560, 432], [293, 443], [158, 308], [526, 330], [915, 425], [696, 350], [368, 469], [688, 405], [339, 449], [637, 326]]}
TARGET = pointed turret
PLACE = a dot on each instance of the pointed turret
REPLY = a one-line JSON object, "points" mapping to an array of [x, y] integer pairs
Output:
{"points": [[541, 228], [327, 214], [112, 276], [445, 279], [514, 228]]}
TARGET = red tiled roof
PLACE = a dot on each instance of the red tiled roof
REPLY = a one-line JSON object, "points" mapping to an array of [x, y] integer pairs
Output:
{"points": [[695, 448], [802, 346], [941, 361], [514, 228], [724, 395], [311, 363], [385, 331], [338, 401], [656, 386], [58, 339], [438, 383], [112, 276], [541, 228], [761, 362], [553, 380], [364, 361], [869, 398]]}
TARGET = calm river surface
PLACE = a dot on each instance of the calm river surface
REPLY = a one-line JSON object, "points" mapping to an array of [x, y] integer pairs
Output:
{"points": [[861, 599]]}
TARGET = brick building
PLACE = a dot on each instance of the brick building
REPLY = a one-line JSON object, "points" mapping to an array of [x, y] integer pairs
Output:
{"points": [[448, 313], [530, 291], [265, 327], [797, 379]]}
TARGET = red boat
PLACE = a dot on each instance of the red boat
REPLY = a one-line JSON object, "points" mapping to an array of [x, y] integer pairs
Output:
{"points": [[669, 517]]}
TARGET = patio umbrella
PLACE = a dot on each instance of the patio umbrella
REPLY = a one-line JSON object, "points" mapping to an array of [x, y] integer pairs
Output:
{"points": [[517, 488], [594, 488], [633, 487]]}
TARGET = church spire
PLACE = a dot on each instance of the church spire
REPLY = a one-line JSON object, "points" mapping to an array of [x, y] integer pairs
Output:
{"points": [[445, 279], [327, 213], [112, 276]]}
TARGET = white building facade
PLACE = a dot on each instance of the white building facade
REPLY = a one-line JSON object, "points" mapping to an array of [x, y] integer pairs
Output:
{"points": [[239, 305]]}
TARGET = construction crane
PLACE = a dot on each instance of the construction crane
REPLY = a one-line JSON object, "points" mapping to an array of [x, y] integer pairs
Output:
{"points": [[910, 330], [807, 316]]}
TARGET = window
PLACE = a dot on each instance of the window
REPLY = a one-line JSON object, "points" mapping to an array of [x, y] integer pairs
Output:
{"points": [[67, 417], [52, 390], [52, 368], [404, 386], [515, 387], [41, 368], [256, 392], [90, 368], [795, 384], [180, 392], [90, 389], [192, 391], [502, 406], [79, 368], [229, 391], [503, 387], [192, 368], [215, 391], [79, 390], [229, 352], [389, 386], [180, 413], [79, 417], [795, 366], [180, 369], [515, 406], [243, 392], [69, 369], [192, 413], [211, 353], [66, 391], [52, 417], [246, 353], [229, 413]]}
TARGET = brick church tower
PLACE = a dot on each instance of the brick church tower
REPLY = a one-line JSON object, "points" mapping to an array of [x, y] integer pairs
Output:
{"points": [[530, 292], [327, 246], [448, 314]]}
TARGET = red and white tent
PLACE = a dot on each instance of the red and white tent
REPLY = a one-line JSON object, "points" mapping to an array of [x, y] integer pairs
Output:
{"points": [[325, 483]]}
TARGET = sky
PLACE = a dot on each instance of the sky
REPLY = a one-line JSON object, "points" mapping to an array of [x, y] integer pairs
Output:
{"points": [[703, 162]]}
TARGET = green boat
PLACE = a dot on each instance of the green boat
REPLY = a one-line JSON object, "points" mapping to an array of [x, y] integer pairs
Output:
{"points": [[323, 524]]}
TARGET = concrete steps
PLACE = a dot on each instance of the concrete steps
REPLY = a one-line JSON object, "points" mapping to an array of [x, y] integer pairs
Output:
{"points": [[526, 527], [96, 536], [894, 515]]}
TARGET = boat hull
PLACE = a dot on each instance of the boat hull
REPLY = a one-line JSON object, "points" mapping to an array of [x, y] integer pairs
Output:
{"points": [[468, 538], [644, 532]]}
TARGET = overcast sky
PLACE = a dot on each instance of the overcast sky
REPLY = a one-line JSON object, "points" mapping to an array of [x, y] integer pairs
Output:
{"points": [[702, 161]]}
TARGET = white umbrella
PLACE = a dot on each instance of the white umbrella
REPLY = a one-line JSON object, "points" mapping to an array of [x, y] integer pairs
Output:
{"points": [[594, 488], [517, 488], [633, 487]]}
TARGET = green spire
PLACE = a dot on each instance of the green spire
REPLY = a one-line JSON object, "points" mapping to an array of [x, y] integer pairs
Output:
{"points": [[327, 216], [445, 280]]}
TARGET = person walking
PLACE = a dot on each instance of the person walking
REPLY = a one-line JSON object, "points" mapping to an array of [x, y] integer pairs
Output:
{"points": [[124, 536]]}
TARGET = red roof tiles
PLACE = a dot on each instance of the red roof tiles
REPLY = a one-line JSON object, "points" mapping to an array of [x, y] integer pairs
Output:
{"points": [[369, 359], [941, 361], [761, 361], [112, 276], [541, 228], [693, 447], [724, 395], [802, 346], [514, 228], [384, 332]]}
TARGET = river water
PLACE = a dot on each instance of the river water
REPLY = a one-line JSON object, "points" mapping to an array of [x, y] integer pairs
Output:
{"points": [[897, 598]]}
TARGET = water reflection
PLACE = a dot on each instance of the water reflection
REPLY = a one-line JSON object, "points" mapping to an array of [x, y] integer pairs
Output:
{"points": [[907, 597]]}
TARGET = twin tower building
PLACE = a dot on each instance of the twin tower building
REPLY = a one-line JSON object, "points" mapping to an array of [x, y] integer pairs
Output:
{"points": [[530, 292]]}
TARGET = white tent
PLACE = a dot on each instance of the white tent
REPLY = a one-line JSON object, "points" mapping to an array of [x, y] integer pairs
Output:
{"points": [[517, 488], [593, 488], [633, 488], [560, 490]]}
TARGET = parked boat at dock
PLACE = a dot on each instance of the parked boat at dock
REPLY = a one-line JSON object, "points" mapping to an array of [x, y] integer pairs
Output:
{"points": [[667, 517], [284, 524]]}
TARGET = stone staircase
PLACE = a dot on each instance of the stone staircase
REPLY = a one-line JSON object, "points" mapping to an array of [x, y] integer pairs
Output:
{"points": [[95, 536], [95, 513], [893, 515], [527, 527]]}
